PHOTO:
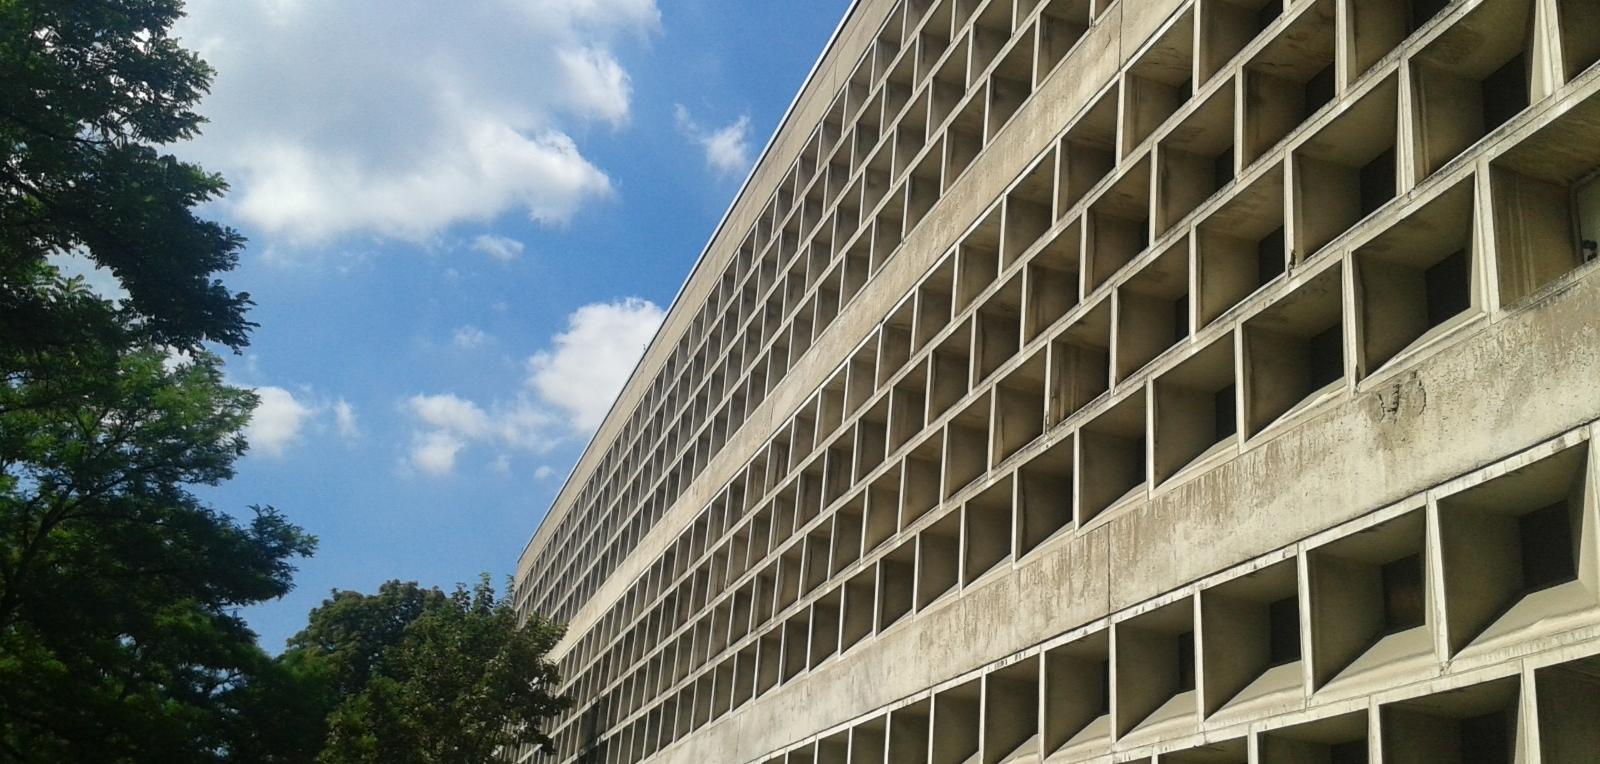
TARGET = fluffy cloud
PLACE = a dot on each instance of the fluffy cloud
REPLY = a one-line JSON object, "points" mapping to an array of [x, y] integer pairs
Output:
{"points": [[448, 413], [344, 419], [434, 453], [727, 148], [283, 419], [403, 118], [448, 423], [592, 359], [291, 189], [277, 421], [601, 88], [568, 391], [498, 247]]}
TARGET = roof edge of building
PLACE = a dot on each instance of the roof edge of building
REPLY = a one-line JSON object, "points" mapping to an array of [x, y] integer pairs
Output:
{"points": [[606, 433]]}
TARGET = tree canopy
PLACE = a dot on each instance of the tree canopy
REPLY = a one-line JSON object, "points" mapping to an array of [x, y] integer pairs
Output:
{"points": [[118, 585], [120, 639], [90, 92], [422, 676]]}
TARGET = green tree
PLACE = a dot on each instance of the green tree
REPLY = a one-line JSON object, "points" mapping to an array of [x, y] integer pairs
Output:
{"points": [[118, 585], [422, 676], [118, 639], [89, 92]]}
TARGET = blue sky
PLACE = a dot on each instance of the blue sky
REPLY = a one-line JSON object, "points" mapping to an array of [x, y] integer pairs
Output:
{"points": [[465, 220]]}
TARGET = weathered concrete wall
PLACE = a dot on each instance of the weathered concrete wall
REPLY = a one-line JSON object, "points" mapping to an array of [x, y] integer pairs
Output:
{"points": [[1335, 212]]}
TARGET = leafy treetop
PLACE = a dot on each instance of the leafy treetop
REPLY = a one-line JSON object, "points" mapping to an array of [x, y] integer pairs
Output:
{"points": [[422, 676], [89, 91]]}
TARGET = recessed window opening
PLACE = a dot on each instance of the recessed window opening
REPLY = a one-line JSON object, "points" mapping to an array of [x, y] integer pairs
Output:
{"points": [[1471, 79], [1028, 212], [1346, 170], [1153, 310], [1019, 404], [1448, 288], [988, 531], [1368, 600], [1159, 82], [1512, 545], [1240, 247], [1111, 457], [1183, 653], [1195, 159], [1052, 281], [1011, 712], [1118, 225], [1270, 256], [1080, 363], [1475, 725], [896, 577], [1545, 538], [1327, 356], [1195, 412], [938, 559], [1155, 668], [1567, 695], [1404, 596], [1505, 92], [1224, 412], [1586, 214], [1088, 151], [1077, 695], [1061, 25], [1290, 79], [1545, 202], [1044, 496], [1283, 619], [1416, 277], [1377, 182]]}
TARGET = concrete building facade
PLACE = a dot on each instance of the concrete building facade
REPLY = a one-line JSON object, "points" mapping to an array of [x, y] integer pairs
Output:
{"points": [[1190, 381]]}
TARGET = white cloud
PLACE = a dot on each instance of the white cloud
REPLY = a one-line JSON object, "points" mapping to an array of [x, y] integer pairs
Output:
{"points": [[344, 418], [470, 337], [569, 389], [727, 148], [401, 118], [592, 359], [543, 472], [498, 247], [449, 423], [450, 414], [601, 87], [277, 421], [434, 453], [290, 189]]}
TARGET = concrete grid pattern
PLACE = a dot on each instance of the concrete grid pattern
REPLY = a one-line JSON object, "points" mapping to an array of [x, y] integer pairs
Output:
{"points": [[1204, 381]]}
